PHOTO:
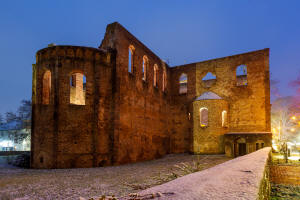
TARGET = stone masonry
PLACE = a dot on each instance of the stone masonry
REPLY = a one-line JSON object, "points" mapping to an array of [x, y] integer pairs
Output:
{"points": [[120, 103]]}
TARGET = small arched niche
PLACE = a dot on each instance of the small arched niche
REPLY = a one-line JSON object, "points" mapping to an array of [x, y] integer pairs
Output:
{"points": [[77, 89], [209, 80], [46, 88]]}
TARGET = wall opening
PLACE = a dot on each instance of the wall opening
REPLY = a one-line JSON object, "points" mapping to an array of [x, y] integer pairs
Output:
{"points": [[130, 58], [209, 80], [183, 80], [241, 75], [164, 79], [203, 117], [155, 77], [144, 68], [46, 87], [77, 89], [224, 119]]}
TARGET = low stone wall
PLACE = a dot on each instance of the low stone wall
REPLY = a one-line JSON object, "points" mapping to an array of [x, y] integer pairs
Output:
{"points": [[245, 177]]}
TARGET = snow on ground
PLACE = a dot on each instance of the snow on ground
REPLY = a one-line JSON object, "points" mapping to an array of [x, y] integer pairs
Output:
{"points": [[23, 184]]}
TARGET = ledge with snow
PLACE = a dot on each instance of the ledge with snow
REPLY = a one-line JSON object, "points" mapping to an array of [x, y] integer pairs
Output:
{"points": [[246, 177]]}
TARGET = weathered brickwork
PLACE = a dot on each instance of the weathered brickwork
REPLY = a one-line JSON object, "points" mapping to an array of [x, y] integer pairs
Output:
{"points": [[120, 115]]}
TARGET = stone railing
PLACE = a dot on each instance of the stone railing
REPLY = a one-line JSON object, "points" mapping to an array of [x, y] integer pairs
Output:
{"points": [[245, 177]]}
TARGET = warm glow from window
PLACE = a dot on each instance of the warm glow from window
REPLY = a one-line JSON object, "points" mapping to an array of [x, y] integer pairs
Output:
{"points": [[203, 117], [224, 119], [46, 87], [164, 79], [144, 68], [155, 77]]}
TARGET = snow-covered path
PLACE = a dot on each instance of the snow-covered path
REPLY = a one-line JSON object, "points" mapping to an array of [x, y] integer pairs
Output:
{"points": [[16, 183]]}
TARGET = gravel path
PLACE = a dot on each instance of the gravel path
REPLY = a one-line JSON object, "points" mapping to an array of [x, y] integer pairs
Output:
{"points": [[16, 183]]}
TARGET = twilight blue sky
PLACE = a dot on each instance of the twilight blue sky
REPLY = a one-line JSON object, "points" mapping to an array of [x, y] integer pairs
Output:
{"points": [[178, 31]]}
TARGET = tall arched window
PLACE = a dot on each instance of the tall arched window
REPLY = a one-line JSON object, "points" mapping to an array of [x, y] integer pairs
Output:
{"points": [[183, 79], [203, 117], [224, 119], [155, 76], [144, 68], [241, 75], [164, 79], [77, 89], [46, 87], [130, 58]]}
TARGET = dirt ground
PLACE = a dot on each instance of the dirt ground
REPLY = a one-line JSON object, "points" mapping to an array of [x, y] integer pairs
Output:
{"points": [[16, 183]]}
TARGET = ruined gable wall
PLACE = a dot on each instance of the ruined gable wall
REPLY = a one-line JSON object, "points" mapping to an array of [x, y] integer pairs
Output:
{"points": [[181, 106], [142, 112], [66, 135], [249, 106]]}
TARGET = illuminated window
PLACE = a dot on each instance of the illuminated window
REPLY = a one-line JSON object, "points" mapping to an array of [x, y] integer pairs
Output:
{"points": [[155, 77], [224, 119], [144, 68], [130, 58], [46, 87], [164, 79], [77, 89], [241, 75], [203, 117], [183, 79]]}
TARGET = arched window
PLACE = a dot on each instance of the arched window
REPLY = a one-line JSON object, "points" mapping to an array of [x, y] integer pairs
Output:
{"points": [[46, 87], [241, 75], [155, 77], [130, 58], [77, 89], [164, 79], [209, 79], [203, 117], [224, 119], [183, 79], [144, 68]]}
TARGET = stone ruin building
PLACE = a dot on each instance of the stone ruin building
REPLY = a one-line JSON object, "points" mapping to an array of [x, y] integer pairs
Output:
{"points": [[121, 103]]}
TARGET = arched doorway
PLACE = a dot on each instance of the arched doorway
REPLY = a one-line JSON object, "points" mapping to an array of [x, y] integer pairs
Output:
{"points": [[240, 147]]}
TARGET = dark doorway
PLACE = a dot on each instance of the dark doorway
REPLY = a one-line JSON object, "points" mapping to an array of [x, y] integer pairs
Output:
{"points": [[242, 149]]}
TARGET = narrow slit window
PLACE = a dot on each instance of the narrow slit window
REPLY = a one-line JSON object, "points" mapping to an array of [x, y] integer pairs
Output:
{"points": [[46, 88], [130, 58], [224, 119], [155, 77], [241, 75], [183, 80], [164, 80], [77, 89], [144, 68], [203, 117]]}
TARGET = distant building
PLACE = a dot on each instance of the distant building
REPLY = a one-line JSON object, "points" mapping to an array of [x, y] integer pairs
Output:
{"points": [[121, 103], [14, 137]]}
